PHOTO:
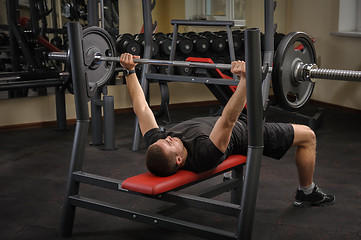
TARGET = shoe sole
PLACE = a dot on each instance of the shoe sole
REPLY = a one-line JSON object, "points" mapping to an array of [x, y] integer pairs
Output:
{"points": [[309, 204]]}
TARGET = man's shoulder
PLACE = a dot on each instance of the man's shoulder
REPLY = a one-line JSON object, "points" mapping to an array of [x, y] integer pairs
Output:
{"points": [[152, 135]]}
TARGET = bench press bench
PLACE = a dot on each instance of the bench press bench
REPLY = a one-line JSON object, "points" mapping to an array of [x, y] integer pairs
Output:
{"points": [[167, 189]]}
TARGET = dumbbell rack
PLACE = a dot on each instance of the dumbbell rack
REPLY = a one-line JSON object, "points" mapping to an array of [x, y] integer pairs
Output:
{"points": [[163, 81]]}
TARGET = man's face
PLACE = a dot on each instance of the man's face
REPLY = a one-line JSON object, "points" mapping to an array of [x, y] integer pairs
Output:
{"points": [[171, 145]]}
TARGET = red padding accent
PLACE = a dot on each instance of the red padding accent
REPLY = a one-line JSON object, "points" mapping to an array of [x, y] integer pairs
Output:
{"points": [[150, 184], [209, 60], [47, 44]]}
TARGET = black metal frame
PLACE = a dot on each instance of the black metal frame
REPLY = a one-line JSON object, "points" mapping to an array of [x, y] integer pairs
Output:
{"points": [[10, 81], [19, 80], [102, 128], [243, 193]]}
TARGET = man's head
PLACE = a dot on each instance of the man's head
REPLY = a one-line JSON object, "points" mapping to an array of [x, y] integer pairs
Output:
{"points": [[166, 156]]}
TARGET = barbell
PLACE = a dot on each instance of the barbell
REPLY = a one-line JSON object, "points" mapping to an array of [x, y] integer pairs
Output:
{"points": [[294, 69]]}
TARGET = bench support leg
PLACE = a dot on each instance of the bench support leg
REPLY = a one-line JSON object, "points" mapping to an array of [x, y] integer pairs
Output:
{"points": [[236, 193]]}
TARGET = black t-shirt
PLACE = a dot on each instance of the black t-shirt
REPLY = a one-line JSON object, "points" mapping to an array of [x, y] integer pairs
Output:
{"points": [[202, 153]]}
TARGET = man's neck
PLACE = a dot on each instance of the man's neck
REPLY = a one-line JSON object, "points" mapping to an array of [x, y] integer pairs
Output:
{"points": [[184, 156]]}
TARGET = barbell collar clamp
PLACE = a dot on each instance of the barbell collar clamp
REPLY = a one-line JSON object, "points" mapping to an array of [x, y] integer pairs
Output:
{"points": [[306, 71]]}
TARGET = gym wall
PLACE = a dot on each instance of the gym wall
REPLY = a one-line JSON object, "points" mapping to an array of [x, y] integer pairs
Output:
{"points": [[319, 19], [332, 51]]}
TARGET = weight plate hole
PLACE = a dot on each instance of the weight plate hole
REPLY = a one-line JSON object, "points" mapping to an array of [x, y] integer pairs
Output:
{"points": [[108, 53], [291, 97], [298, 46]]}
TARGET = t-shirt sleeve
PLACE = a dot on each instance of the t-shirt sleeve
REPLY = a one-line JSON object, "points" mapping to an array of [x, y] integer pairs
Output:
{"points": [[207, 155], [152, 136]]}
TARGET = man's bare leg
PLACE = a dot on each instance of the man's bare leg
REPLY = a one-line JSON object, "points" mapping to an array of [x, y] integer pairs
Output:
{"points": [[308, 194], [305, 141]]}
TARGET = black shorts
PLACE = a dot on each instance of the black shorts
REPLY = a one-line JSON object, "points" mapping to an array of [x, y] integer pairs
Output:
{"points": [[277, 139]]}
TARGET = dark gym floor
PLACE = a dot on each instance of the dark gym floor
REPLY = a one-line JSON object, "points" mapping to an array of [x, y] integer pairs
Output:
{"points": [[34, 167]]}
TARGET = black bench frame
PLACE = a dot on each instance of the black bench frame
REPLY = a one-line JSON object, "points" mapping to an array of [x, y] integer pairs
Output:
{"points": [[244, 193]]}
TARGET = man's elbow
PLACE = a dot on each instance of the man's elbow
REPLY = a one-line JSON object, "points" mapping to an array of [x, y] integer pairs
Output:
{"points": [[227, 122], [141, 110]]}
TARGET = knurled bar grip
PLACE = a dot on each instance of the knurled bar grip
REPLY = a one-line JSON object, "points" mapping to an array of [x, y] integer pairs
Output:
{"points": [[334, 74], [171, 63]]}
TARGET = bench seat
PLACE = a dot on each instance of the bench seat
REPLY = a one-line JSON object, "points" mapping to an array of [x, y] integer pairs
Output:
{"points": [[147, 183]]}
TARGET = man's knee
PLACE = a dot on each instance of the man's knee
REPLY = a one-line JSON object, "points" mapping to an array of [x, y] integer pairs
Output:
{"points": [[311, 136], [304, 136]]}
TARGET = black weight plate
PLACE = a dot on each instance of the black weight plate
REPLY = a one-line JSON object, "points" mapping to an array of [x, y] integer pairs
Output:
{"points": [[99, 39], [201, 44], [155, 48], [292, 95], [184, 71], [218, 44], [185, 46], [133, 47]]}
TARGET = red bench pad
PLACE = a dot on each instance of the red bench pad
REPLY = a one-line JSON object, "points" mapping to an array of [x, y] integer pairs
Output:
{"points": [[150, 184]]}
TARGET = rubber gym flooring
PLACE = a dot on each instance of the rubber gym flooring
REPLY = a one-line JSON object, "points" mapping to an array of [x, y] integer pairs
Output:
{"points": [[34, 168]]}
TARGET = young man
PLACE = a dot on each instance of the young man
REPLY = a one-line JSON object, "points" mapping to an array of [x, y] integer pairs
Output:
{"points": [[201, 144]]}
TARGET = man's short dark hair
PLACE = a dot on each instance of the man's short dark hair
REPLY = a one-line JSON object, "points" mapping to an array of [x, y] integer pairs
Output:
{"points": [[159, 163]]}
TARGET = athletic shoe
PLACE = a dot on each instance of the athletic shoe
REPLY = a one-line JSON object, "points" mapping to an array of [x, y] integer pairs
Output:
{"points": [[315, 199]]}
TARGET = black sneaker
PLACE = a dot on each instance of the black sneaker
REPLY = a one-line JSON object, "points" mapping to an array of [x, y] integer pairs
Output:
{"points": [[316, 198]]}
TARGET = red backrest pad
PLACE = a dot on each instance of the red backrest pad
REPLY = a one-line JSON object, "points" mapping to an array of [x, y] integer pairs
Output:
{"points": [[150, 184]]}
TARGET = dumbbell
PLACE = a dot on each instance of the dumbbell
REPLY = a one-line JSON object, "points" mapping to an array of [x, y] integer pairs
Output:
{"points": [[56, 41], [140, 39], [126, 43], [184, 45], [164, 43], [217, 42], [200, 43], [237, 39], [139, 67]]}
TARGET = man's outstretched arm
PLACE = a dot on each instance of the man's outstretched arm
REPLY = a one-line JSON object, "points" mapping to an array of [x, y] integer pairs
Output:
{"points": [[222, 130], [140, 105]]}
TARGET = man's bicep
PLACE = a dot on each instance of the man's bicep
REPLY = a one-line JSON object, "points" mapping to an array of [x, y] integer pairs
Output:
{"points": [[221, 134], [146, 120]]}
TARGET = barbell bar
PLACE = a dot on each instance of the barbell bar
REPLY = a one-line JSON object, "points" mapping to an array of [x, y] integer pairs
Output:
{"points": [[220, 66], [97, 58], [302, 71]]}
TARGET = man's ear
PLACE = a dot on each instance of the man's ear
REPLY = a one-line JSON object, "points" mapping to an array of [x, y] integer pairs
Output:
{"points": [[179, 160]]}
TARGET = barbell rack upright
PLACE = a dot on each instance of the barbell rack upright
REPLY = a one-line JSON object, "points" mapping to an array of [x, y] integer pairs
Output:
{"points": [[255, 134], [81, 87], [148, 29]]}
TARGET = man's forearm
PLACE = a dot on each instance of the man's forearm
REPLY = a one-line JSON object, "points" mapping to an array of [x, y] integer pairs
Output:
{"points": [[236, 103], [136, 93]]}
